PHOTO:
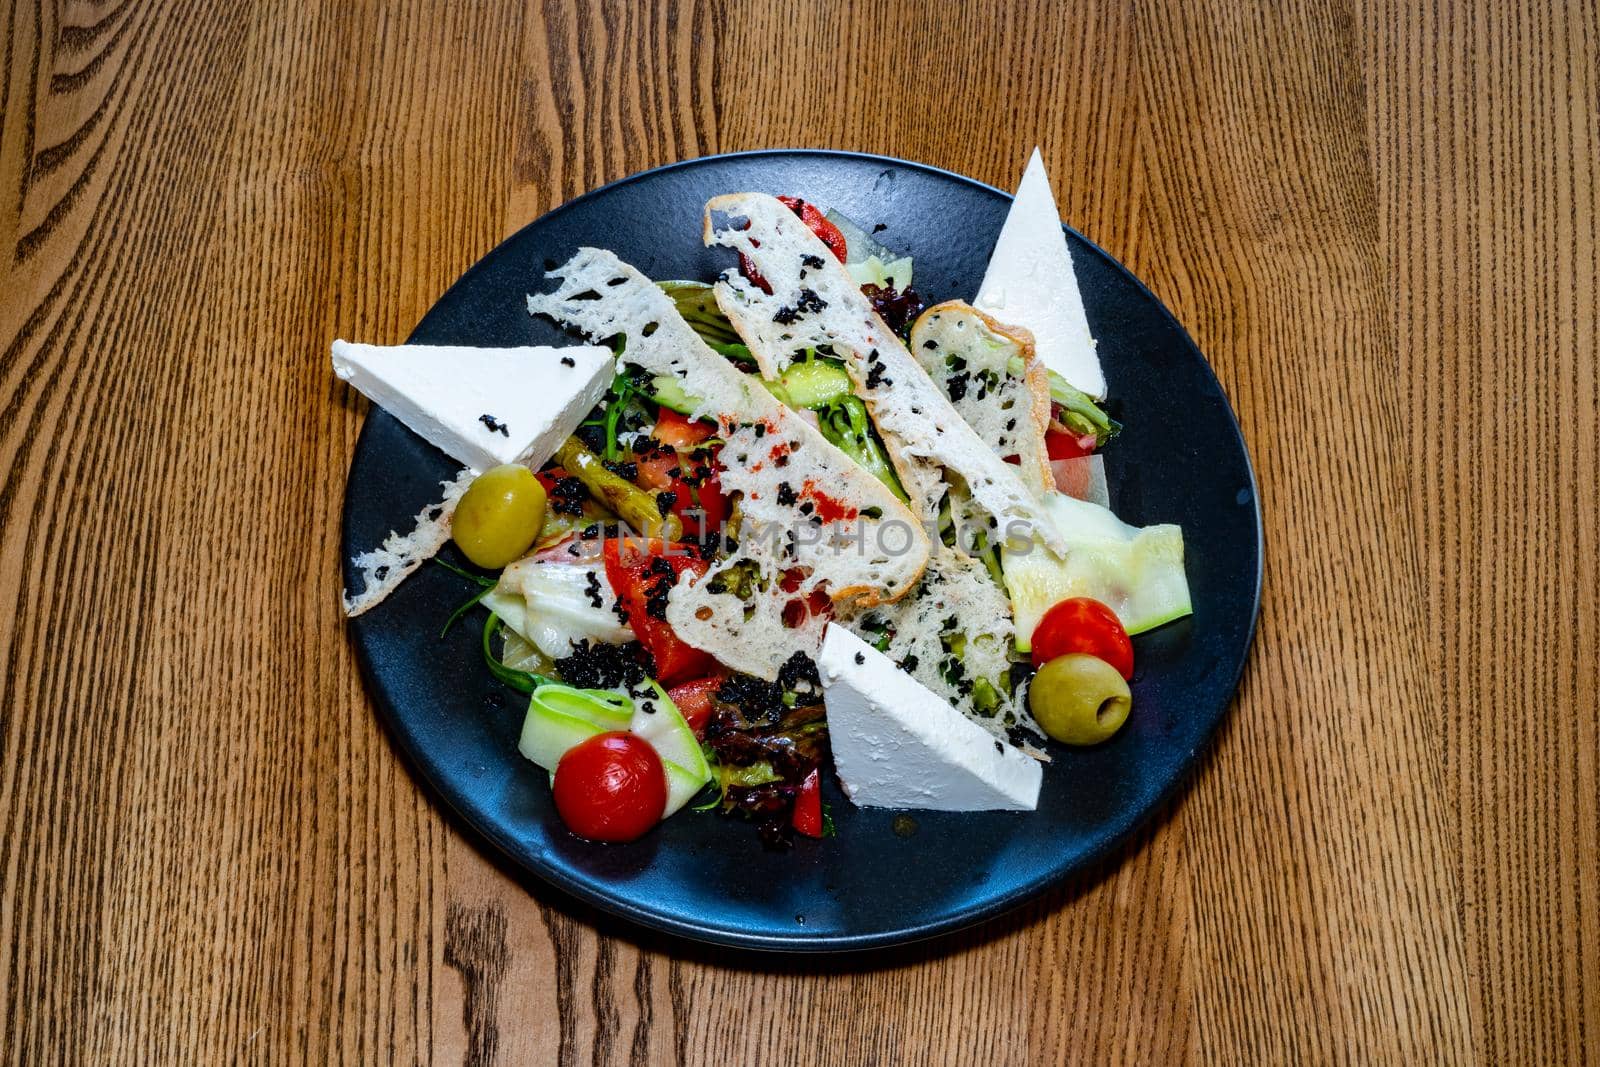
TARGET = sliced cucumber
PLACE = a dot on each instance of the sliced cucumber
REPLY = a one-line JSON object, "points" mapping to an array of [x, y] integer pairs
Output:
{"points": [[547, 735], [1137, 572], [668, 392], [657, 719], [875, 271], [812, 383], [600, 708]]}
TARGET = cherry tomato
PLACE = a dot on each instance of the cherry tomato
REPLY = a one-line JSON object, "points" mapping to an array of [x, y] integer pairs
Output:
{"points": [[1068, 446], [818, 224], [639, 570], [1083, 624], [694, 700], [611, 787], [807, 817], [679, 431]]}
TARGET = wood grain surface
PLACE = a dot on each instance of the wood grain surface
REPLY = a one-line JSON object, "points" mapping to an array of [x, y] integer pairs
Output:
{"points": [[1379, 221]]}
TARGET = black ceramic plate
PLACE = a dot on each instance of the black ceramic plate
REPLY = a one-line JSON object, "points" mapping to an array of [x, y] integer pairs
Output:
{"points": [[1180, 459]]}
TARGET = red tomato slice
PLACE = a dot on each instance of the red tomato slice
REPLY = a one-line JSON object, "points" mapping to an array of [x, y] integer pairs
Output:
{"points": [[679, 431], [655, 470], [808, 806], [694, 700], [702, 508], [549, 478], [713, 502], [1068, 446], [611, 787], [818, 224], [1083, 624], [639, 570]]}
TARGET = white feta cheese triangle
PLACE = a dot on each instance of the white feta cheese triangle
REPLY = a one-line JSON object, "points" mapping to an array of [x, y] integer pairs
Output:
{"points": [[481, 406], [897, 745], [1030, 282]]}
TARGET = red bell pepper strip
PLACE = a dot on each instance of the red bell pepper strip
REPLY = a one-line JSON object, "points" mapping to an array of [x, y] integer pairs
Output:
{"points": [[808, 806]]}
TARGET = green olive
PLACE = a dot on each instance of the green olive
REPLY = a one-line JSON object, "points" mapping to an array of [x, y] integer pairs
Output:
{"points": [[498, 517], [1079, 699]]}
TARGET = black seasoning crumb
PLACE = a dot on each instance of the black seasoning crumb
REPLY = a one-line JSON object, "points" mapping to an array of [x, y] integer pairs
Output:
{"points": [[664, 502], [596, 666], [660, 577], [566, 361], [761, 430], [998, 747], [880, 227], [860, 659], [806, 508], [495, 425], [809, 301], [1011, 424], [592, 588], [626, 470], [781, 461], [814, 262], [760, 701], [567, 495], [909, 664], [786, 496], [799, 674], [876, 377], [649, 708], [593, 437]]}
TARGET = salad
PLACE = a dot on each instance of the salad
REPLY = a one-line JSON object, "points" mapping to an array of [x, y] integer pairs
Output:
{"points": [[795, 522]]}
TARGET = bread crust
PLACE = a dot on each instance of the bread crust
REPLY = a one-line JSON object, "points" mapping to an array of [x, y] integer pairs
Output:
{"points": [[1036, 378]]}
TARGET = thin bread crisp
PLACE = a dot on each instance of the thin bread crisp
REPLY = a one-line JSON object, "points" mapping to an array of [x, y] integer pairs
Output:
{"points": [[811, 518], [970, 356], [814, 303]]}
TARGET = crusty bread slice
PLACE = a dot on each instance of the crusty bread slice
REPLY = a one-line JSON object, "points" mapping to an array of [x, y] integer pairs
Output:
{"points": [[385, 567], [813, 303], [968, 355], [806, 508], [956, 596]]}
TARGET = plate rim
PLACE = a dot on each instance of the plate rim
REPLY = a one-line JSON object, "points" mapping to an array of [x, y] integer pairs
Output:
{"points": [[625, 909]]}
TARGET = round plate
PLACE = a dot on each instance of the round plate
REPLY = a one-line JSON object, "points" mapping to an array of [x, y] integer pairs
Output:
{"points": [[1180, 459]]}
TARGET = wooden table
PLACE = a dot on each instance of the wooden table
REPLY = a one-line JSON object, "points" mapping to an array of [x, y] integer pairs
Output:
{"points": [[1378, 220]]}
